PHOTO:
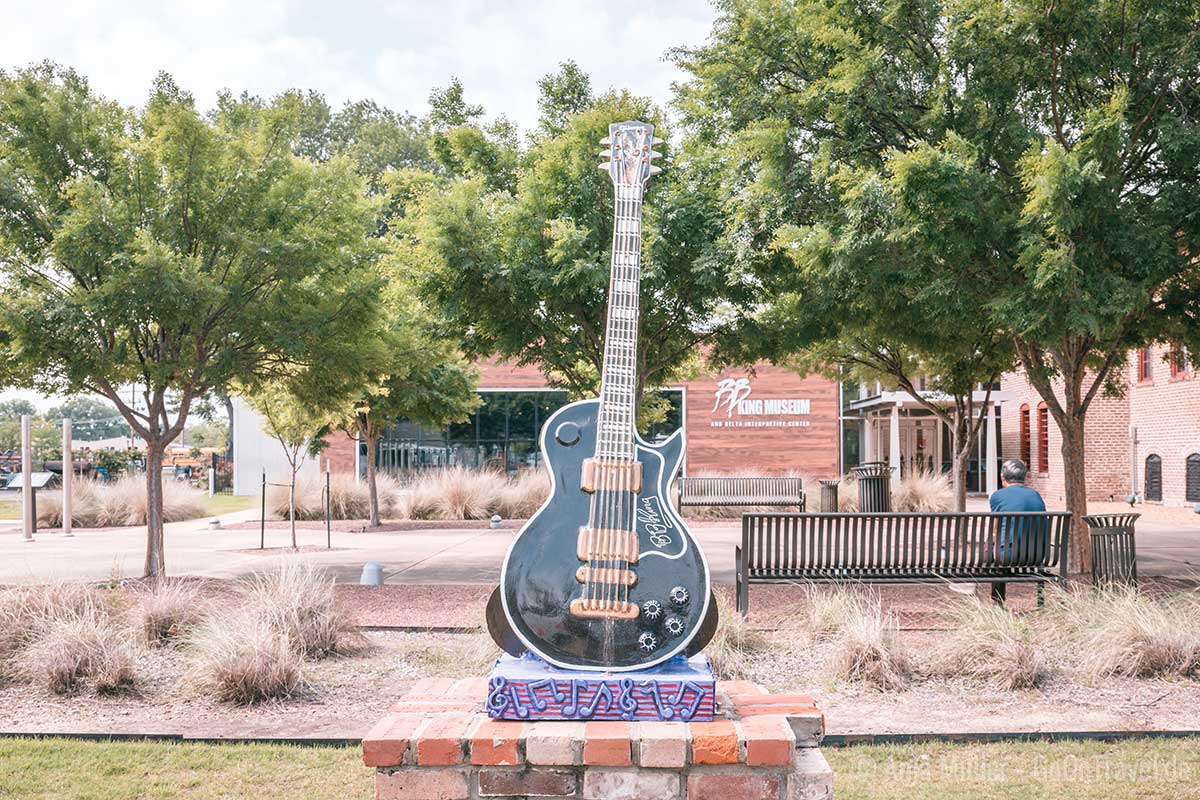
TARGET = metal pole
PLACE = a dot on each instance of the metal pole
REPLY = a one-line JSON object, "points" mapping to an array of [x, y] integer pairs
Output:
{"points": [[328, 507], [212, 474], [262, 521], [68, 475], [27, 510]]}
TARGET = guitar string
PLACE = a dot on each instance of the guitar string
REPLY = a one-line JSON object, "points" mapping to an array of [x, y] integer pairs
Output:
{"points": [[625, 307], [633, 268]]}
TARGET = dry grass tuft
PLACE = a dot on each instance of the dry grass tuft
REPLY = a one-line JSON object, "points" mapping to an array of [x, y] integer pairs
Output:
{"points": [[827, 609], [991, 645], [459, 493], [349, 499], [524, 494], [1118, 632], [924, 492], [119, 503], [455, 656], [297, 601], [243, 659], [867, 649], [847, 494], [166, 613], [735, 646]]}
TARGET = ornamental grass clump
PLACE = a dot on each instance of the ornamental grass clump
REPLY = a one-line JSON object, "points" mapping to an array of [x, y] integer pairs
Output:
{"points": [[168, 611], [349, 498], [298, 601], [989, 644], [923, 492], [119, 503], [735, 646], [1119, 632], [827, 609], [243, 659], [867, 649]]}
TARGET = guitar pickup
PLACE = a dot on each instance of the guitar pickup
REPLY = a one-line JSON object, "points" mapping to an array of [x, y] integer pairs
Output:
{"points": [[606, 544], [611, 476], [604, 609], [607, 575]]}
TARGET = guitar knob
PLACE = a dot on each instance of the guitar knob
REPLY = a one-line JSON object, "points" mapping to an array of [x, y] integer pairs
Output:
{"points": [[652, 610], [673, 626], [567, 434], [679, 597], [647, 642]]}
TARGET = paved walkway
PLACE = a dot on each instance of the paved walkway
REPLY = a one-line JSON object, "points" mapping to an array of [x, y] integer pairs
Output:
{"points": [[467, 555]]}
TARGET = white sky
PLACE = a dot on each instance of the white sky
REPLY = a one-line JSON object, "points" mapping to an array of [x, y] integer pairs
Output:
{"points": [[393, 52]]}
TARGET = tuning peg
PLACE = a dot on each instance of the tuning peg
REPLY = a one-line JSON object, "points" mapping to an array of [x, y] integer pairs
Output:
{"points": [[605, 152], [604, 166], [606, 140], [656, 140], [655, 154], [655, 170]]}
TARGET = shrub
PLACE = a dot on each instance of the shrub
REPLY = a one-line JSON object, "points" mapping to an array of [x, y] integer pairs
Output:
{"points": [[349, 498], [735, 645], [168, 611], [245, 660], [1119, 632], [298, 601], [923, 491], [989, 644], [119, 503]]}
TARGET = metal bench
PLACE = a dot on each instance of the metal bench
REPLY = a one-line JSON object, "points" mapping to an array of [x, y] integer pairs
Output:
{"points": [[950, 547], [733, 491]]}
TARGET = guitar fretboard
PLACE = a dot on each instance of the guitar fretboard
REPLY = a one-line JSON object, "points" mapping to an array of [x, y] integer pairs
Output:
{"points": [[619, 379]]}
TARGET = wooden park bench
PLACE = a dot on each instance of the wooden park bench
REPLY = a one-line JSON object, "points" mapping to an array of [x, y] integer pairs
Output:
{"points": [[733, 491], [954, 547]]}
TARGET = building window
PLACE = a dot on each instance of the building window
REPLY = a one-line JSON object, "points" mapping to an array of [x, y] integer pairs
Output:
{"points": [[1043, 433], [1192, 480], [1153, 478], [1180, 361], [1026, 450], [1146, 364]]}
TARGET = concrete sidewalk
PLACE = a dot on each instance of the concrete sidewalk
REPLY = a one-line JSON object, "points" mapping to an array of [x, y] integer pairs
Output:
{"points": [[456, 555]]}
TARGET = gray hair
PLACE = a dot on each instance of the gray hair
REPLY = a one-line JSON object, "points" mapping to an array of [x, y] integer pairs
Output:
{"points": [[1014, 471]]}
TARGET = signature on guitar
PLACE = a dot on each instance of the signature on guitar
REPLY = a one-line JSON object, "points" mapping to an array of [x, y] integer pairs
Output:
{"points": [[656, 523]]}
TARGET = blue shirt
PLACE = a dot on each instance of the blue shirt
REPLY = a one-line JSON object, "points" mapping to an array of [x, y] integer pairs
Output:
{"points": [[1016, 498], [1025, 541]]}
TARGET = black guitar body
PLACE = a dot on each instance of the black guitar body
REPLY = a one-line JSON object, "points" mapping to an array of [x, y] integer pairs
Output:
{"points": [[538, 580]]}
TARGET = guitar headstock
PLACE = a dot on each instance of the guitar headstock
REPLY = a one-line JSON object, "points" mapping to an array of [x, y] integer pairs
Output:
{"points": [[629, 153]]}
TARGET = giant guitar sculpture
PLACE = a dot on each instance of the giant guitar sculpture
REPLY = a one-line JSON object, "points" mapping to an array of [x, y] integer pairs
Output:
{"points": [[606, 576]]}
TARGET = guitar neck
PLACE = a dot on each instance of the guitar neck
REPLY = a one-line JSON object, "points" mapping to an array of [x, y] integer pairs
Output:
{"points": [[618, 383]]}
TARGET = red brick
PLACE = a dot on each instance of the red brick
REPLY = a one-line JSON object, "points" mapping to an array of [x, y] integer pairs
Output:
{"points": [[553, 743], [732, 688], [785, 710], [495, 743], [742, 700], [388, 741], [429, 688], [769, 741], [732, 787], [607, 744], [470, 688], [440, 743], [427, 784], [434, 707], [606, 784], [662, 744], [528, 782], [714, 742]]}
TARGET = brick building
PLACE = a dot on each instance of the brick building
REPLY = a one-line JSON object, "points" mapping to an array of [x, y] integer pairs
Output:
{"points": [[1146, 441]]}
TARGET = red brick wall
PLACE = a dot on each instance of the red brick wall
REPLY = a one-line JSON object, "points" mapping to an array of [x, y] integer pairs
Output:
{"points": [[1165, 409], [1106, 436], [339, 451]]}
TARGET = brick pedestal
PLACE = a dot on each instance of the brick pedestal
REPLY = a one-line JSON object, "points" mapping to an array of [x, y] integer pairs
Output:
{"points": [[437, 743]]}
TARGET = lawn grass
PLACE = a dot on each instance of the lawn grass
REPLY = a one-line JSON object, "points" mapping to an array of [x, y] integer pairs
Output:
{"points": [[1145, 769], [10, 507], [225, 503], [81, 770]]}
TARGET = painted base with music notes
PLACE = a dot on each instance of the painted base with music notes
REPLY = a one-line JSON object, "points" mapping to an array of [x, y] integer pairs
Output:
{"points": [[527, 688]]}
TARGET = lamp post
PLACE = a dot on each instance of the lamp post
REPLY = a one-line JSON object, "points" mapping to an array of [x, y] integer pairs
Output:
{"points": [[27, 476], [68, 474]]}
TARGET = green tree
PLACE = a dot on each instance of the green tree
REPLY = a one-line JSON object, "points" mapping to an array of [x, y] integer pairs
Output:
{"points": [[524, 274], [1051, 145], [561, 95], [17, 408], [413, 375], [91, 418], [170, 252]]}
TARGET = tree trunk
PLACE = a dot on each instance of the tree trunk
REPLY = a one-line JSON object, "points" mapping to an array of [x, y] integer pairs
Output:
{"points": [[372, 488], [959, 477], [292, 507], [1075, 483], [156, 565], [229, 429]]}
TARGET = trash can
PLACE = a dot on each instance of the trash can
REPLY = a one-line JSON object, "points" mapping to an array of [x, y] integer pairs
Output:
{"points": [[829, 497], [1114, 557], [874, 486]]}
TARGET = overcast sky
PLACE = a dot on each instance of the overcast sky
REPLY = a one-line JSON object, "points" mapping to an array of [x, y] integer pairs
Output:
{"points": [[393, 52]]}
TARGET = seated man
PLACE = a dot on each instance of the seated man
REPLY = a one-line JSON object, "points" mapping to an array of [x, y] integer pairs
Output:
{"points": [[1015, 544]]}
